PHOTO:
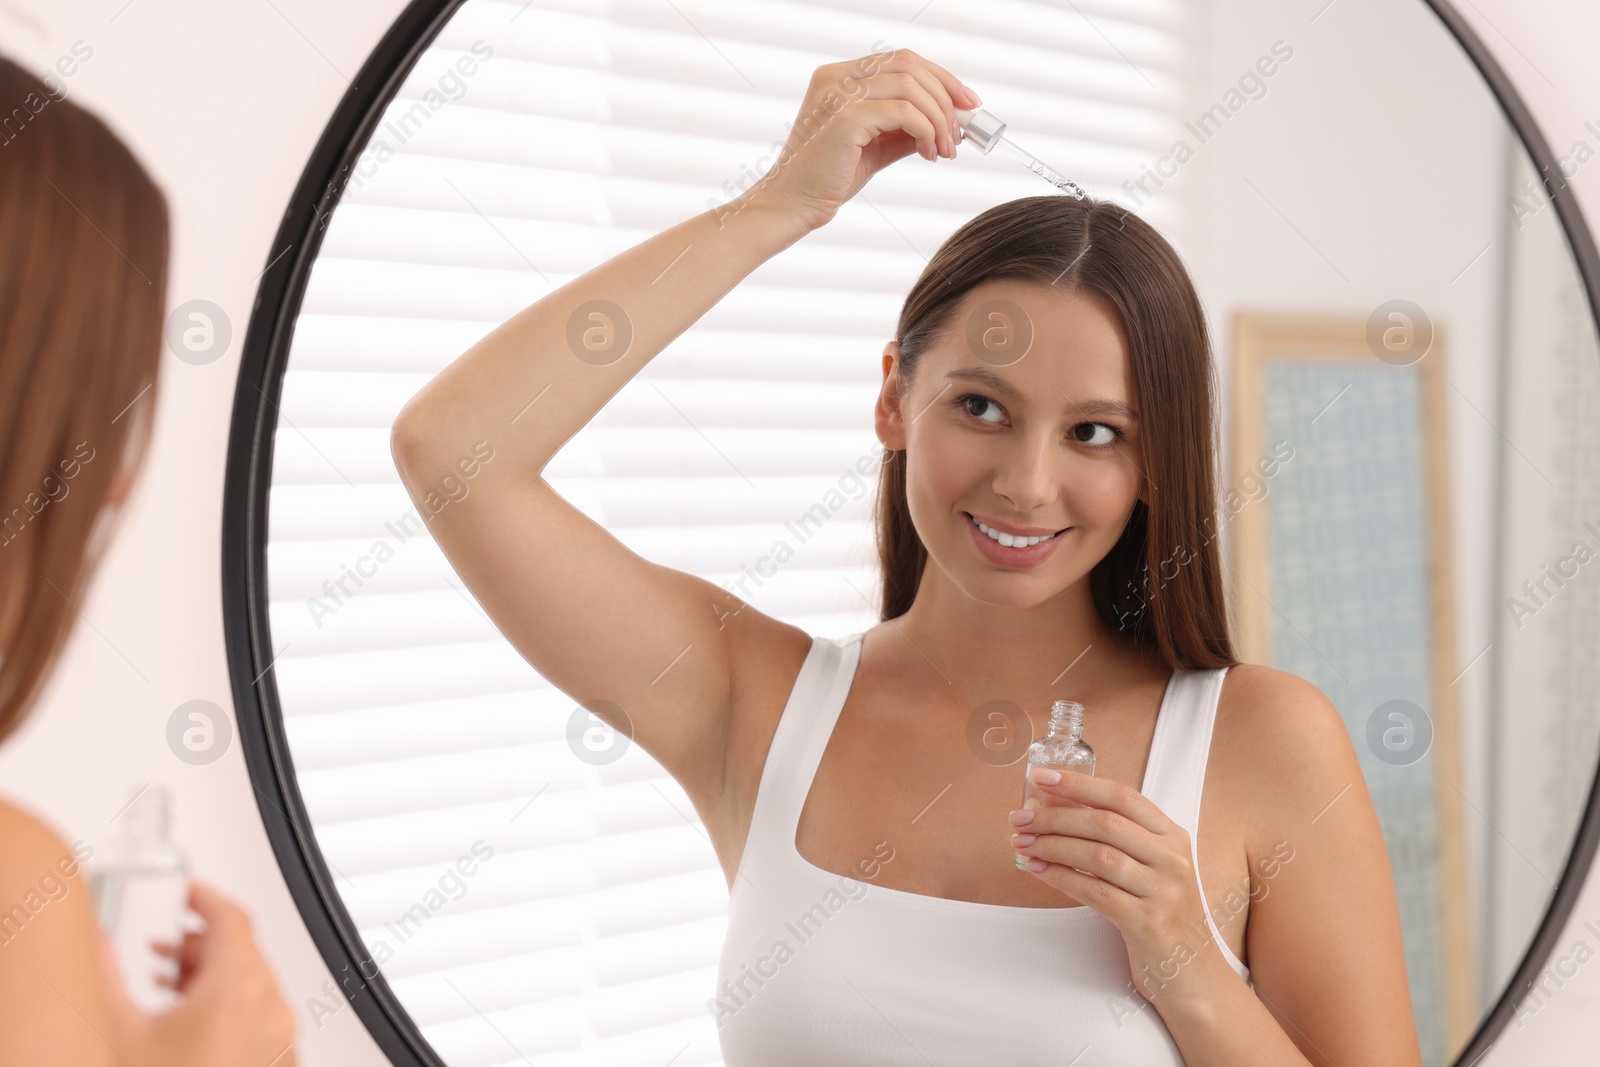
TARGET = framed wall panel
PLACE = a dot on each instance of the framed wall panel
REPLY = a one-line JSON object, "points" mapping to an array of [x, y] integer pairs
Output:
{"points": [[1341, 574]]}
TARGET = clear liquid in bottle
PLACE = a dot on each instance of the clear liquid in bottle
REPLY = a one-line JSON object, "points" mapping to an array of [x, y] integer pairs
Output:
{"points": [[1062, 749], [141, 891]]}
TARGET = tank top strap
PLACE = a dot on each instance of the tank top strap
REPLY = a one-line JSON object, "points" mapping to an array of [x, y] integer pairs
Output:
{"points": [[798, 742], [1175, 773], [1176, 769]]}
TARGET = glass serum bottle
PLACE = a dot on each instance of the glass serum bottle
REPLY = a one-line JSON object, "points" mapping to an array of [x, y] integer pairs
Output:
{"points": [[1061, 749], [141, 891]]}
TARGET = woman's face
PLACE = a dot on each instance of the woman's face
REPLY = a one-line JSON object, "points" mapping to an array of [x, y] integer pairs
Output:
{"points": [[1013, 419]]}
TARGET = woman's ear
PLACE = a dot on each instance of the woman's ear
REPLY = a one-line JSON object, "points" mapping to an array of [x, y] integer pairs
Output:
{"points": [[888, 417]]}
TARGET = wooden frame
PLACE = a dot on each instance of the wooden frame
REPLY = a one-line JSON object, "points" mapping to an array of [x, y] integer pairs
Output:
{"points": [[1263, 337]]}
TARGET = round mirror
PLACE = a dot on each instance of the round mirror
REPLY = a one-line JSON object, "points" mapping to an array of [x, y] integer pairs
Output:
{"points": [[1399, 293]]}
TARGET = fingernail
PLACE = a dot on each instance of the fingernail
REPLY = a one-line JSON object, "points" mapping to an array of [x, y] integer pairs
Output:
{"points": [[1046, 776], [1023, 840], [1021, 817], [972, 95], [1037, 865]]}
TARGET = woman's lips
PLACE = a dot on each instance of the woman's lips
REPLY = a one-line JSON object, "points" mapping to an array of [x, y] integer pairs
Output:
{"points": [[996, 553], [1001, 528]]}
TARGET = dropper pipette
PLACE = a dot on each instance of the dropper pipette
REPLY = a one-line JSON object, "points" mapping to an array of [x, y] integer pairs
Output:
{"points": [[986, 131]]}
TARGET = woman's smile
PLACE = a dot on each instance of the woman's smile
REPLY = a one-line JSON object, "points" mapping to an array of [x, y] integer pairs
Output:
{"points": [[1020, 553]]}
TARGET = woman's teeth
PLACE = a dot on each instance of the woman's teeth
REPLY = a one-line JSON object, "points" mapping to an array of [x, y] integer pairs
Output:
{"points": [[1007, 540]]}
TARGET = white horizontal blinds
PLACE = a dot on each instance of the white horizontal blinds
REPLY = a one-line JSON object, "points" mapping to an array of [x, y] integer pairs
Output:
{"points": [[586, 926]]}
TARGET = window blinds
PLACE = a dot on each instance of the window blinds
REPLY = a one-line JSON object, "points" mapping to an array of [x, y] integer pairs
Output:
{"points": [[529, 906]]}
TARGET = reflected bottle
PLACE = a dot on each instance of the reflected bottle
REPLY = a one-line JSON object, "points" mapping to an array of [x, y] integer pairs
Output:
{"points": [[141, 894], [1061, 749]]}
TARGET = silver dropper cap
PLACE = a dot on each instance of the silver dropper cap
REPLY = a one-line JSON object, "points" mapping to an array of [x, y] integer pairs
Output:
{"points": [[980, 127]]}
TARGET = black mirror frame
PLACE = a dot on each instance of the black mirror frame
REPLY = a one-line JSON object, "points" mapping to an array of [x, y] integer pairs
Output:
{"points": [[244, 530]]}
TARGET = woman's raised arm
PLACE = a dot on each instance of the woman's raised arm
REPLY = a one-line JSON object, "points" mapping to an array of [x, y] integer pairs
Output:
{"points": [[591, 616]]}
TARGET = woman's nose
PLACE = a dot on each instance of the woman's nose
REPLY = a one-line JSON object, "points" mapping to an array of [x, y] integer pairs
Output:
{"points": [[1028, 475]]}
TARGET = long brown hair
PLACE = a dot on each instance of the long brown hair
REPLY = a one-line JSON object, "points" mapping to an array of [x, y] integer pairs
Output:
{"points": [[83, 278], [1162, 581]]}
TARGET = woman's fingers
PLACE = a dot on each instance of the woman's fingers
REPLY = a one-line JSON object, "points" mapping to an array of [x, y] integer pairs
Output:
{"points": [[1105, 862], [921, 88], [908, 76], [953, 87], [1095, 826], [890, 114], [905, 85], [1112, 796], [946, 100], [191, 953], [224, 919], [212, 906], [895, 103]]}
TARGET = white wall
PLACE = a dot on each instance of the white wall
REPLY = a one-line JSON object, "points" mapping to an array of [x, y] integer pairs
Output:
{"points": [[223, 103], [1326, 195]]}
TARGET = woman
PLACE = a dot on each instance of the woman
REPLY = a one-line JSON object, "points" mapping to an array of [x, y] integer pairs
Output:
{"points": [[1050, 378], [83, 272]]}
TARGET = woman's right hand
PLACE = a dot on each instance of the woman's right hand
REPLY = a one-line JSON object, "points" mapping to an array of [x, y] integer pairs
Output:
{"points": [[857, 117], [231, 1013]]}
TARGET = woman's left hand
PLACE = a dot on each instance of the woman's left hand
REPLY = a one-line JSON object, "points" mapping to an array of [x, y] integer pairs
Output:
{"points": [[1135, 867]]}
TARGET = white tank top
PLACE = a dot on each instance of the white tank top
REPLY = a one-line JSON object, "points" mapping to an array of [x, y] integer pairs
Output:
{"points": [[818, 968]]}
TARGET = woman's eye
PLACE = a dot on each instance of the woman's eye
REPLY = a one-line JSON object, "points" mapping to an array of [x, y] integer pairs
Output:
{"points": [[1110, 433], [974, 404]]}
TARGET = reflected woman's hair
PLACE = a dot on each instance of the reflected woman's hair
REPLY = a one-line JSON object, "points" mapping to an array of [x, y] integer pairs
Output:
{"points": [[1162, 581], [83, 278]]}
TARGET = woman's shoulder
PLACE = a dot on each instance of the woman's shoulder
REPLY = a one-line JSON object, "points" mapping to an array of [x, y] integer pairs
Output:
{"points": [[37, 867], [1270, 713], [26, 836], [1283, 742], [54, 1004]]}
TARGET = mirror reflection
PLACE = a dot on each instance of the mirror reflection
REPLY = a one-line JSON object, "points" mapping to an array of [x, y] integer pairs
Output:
{"points": [[664, 681]]}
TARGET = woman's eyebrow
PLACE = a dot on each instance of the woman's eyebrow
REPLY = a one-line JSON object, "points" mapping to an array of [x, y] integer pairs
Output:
{"points": [[998, 383]]}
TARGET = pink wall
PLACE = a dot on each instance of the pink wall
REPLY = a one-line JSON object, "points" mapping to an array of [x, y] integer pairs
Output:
{"points": [[223, 104]]}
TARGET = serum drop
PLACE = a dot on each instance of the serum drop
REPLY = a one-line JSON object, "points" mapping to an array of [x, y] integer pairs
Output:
{"points": [[1061, 749]]}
